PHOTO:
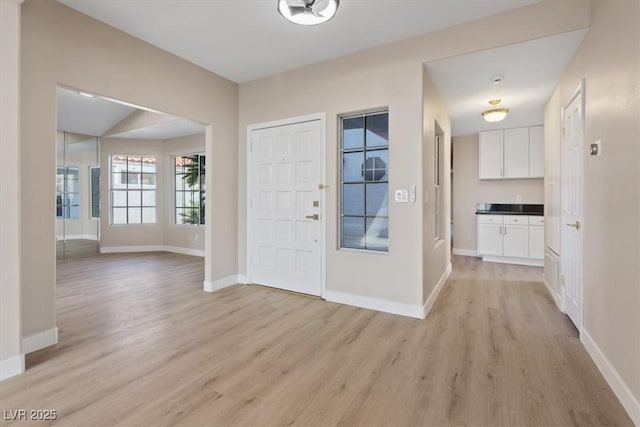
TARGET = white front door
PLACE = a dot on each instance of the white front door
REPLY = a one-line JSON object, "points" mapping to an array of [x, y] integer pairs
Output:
{"points": [[572, 165], [285, 207]]}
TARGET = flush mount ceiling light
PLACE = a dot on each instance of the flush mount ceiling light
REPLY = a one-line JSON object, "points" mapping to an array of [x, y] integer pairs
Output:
{"points": [[495, 114], [308, 12]]}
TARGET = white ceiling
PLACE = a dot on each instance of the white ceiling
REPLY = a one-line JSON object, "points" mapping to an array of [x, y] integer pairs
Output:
{"points": [[247, 39], [165, 130], [88, 116], [531, 72], [95, 116]]}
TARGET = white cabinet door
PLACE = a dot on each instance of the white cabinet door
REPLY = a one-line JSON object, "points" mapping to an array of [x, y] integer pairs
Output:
{"points": [[516, 241], [490, 239], [536, 242], [516, 153], [490, 154], [536, 152]]}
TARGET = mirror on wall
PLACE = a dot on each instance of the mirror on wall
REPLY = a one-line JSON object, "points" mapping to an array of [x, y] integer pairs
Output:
{"points": [[77, 195]]}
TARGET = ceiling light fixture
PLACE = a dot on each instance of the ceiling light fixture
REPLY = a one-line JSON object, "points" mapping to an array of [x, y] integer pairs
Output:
{"points": [[496, 114], [308, 12]]}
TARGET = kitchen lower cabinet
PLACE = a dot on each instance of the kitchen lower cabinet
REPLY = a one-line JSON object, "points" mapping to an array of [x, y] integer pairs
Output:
{"points": [[513, 239]]}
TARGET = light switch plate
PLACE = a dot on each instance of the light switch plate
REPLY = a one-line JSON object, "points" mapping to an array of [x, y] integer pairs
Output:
{"points": [[595, 149], [402, 196]]}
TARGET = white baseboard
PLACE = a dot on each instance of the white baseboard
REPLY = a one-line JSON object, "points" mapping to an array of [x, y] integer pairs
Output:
{"points": [[150, 248], [225, 282], [40, 340], [553, 294], [80, 237], [428, 305], [519, 261], [184, 251], [130, 249], [620, 389], [243, 279], [409, 310], [465, 252], [11, 367]]}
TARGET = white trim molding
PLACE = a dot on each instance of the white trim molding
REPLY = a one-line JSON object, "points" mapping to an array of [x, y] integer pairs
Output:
{"points": [[225, 282], [184, 251], [465, 252], [428, 305], [409, 310], [242, 278], [617, 384], [40, 340], [11, 367], [151, 248]]}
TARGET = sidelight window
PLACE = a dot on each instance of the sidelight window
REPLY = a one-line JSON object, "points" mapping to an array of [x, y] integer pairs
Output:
{"points": [[364, 176]]}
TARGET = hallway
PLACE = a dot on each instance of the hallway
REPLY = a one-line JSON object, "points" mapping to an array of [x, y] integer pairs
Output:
{"points": [[141, 344]]}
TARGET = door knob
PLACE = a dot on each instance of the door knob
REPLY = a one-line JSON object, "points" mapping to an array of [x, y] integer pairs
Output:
{"points": [[575, 225], [314, 217]]}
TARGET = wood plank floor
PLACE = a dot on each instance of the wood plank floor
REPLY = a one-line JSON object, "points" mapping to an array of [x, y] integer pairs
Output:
{"points": [[142, 345]]}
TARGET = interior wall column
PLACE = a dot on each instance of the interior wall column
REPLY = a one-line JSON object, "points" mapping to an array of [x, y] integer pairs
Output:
{"points": [[11, 356]]}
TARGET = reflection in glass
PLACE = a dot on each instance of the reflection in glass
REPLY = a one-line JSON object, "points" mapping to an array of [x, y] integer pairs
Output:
{"points": [[352, 233], [353, 199], [377, 237], [353, 132]]}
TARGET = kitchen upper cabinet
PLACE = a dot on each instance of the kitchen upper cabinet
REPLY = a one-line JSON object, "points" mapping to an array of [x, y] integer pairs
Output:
{"points": [[511, 153], [491, 154], [516, 153], [536, 151]]}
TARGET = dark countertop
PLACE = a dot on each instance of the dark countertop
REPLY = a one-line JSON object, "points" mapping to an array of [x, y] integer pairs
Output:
{"points": [[509, 209]]}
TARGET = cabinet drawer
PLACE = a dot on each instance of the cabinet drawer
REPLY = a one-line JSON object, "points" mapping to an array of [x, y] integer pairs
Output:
{"points": [[536, 220], [489, 219], [516, 219]]}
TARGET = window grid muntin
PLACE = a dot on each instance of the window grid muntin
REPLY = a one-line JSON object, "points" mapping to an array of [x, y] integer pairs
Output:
{"points": [[365, 150], [128, 190]]}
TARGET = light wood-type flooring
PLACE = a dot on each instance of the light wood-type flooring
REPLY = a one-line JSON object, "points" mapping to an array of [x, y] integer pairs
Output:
{"points": [[142, 345]]}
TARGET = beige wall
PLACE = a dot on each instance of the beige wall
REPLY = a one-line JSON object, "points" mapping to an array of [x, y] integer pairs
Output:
{"points": [[436, 255], [390, 76], [62, 46], [181, 236], [609, 62], [468, 190], [10, 188]]}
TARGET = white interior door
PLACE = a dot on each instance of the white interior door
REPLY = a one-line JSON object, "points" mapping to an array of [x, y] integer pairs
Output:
{"points": [[571, 253], [285, 207]]}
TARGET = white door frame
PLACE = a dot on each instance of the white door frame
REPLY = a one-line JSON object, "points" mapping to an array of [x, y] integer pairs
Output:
{"points": [[322, 118], [579, 91]]}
